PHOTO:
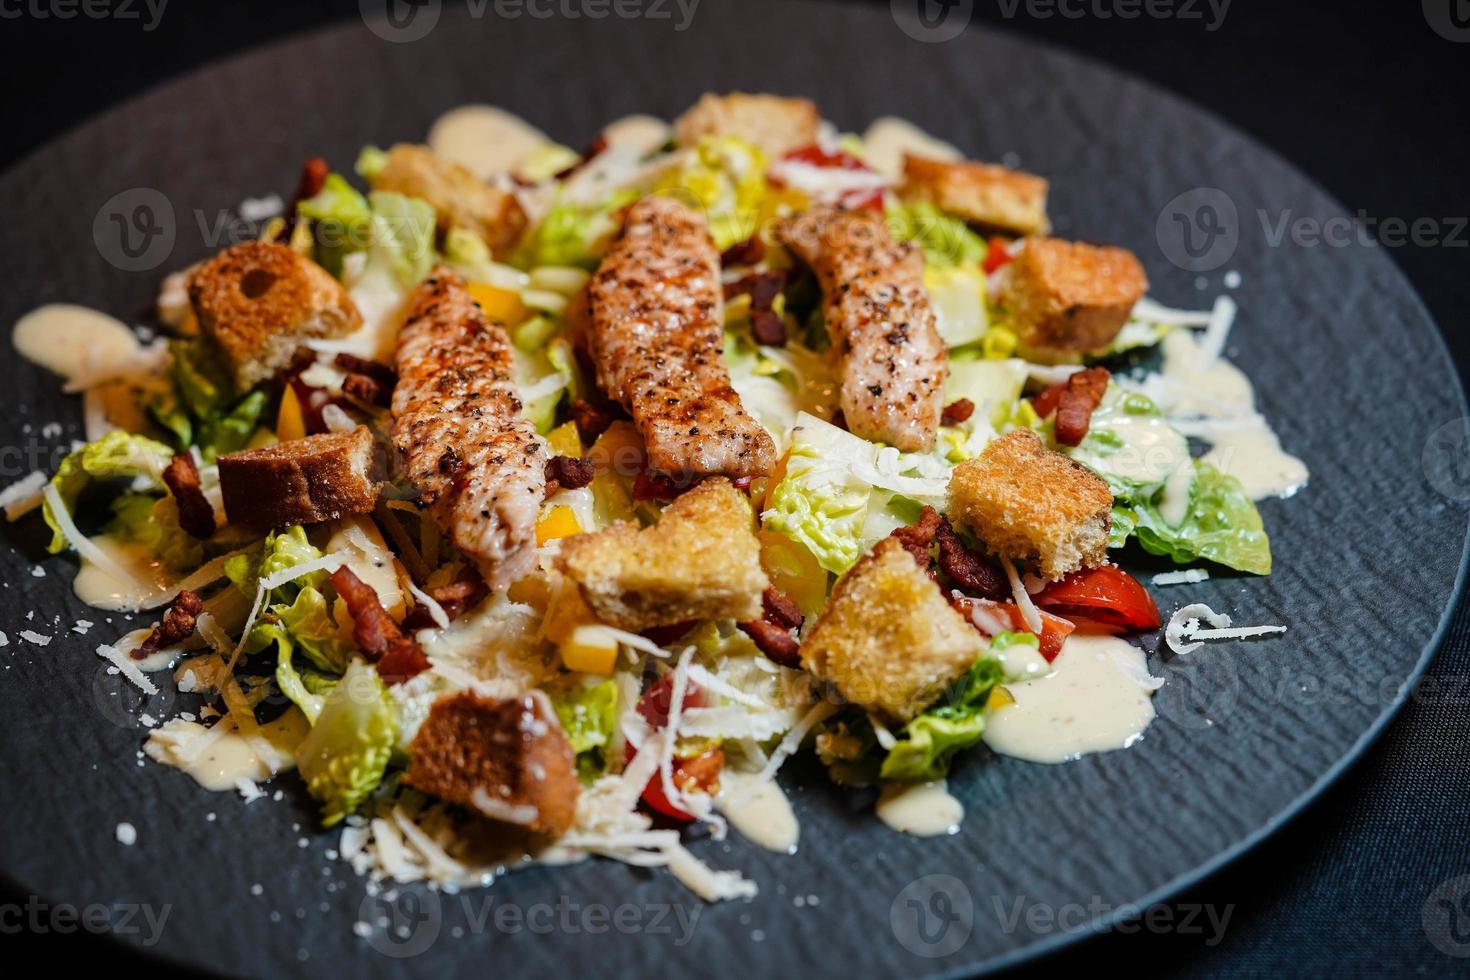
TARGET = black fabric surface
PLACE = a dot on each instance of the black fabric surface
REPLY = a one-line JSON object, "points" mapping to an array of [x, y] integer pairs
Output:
{"points": [[1353, 885]]}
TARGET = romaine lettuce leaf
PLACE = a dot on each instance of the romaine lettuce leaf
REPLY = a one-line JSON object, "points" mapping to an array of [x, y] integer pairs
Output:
{"points": [[154, 523], [344, 757], [725, 179], [958, 296], [955, 722], [402, 237], [1222, 525], [945, 241], [573, 233], [342, 214], [117, 455], [820, 503]]}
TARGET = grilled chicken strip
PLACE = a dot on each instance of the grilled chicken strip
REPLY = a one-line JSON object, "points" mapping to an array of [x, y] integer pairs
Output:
{"points": [[892, 362], [475, 460], [657, 339]]}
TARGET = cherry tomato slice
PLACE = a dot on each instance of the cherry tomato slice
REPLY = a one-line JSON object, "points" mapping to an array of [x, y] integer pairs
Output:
{"points": [[816, 156], [1054, 629], [1106, 598], [997, 255], [702, 772]]}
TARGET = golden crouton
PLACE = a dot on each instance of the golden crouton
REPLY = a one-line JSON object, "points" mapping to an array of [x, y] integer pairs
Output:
{"points": [[257, 302], [1028, 503], [701, 561], [459, 198], [1069, 297], [507, 759], [302, 481], [981, 193], [888, 640], [775, 124]]}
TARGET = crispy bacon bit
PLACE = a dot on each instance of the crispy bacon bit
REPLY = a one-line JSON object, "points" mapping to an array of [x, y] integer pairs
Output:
{"points": [[1075, 404], [957, 411], [649, 485], [700, 774], [380, 373], [367, 390], [570, 473], [176, 627], [973, 572], [762, 287], [917, 538], [465, 591], [748, 252], [591, 419], [398, 656], [196, 515], [772, 632], [313, 178], [775, 641], [768, 329], [593, 149]]}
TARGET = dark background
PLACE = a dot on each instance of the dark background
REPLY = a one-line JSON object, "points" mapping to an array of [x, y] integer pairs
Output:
{"points": [[1367, 99]]}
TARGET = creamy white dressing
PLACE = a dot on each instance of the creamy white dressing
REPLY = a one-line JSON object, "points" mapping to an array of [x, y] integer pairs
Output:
{"points": [[485, 139], [889, 138], [921, 809], [640, 133], [1243, 445], [74, 341], [218, 760], [1097, 698], [99, 589], [762, 816]]}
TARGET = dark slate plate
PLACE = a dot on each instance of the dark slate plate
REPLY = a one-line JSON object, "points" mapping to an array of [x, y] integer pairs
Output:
{"points": [[1348, 365]]}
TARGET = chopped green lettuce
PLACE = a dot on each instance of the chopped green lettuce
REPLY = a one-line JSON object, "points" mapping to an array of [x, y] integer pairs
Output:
{"points": [[945, 241], [724, 179], [305, 626], [841, 493], [344, 757], [1131, 446], [342, 216], [588, 715], [1222, 525], [928, 743], [154, 523], [958, 296], [402, 237], [117, 455], [370, 162], [993, 386], [279, 551], [573, 233]]}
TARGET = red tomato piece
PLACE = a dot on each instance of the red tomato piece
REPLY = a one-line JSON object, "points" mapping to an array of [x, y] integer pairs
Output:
{"points": [[996, 255], [702, 772], [1105, 598], [1054, 629]]}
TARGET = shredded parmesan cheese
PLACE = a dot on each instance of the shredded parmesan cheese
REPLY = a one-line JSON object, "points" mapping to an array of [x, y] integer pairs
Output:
{"points": [[1186, 576], [127, 668], [1029, 612]]}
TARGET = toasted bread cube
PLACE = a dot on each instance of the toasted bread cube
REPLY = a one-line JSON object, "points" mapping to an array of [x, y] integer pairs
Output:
{"points": [[888, 640], [459, 198], [258, 302], [775, 124], [507, 759], [1028, 503], [304, 481], [984, 194], [1070, 297], [701, 561]]}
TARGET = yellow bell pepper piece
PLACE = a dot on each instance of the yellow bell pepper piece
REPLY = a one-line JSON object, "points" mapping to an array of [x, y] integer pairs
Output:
{"points": [[999, 698], [591, 649], [290, 424], [558, 522], [499, 304], [794, 570], [564, 440]]}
